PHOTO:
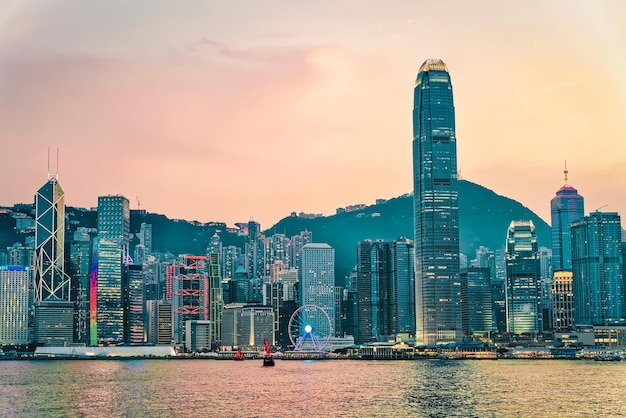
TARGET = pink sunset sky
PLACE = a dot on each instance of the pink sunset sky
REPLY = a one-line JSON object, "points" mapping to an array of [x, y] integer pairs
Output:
{"points": [[237, 110]]}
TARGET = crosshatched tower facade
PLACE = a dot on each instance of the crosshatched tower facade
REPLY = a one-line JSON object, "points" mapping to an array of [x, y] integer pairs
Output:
{"points": [[436, 219]]}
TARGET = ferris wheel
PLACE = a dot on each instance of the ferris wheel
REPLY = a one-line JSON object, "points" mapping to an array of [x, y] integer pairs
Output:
{"points": [[310, 328]]}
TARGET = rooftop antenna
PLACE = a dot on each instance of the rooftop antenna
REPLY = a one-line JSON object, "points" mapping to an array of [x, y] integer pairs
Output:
{"points": [[53, 176], [601, 207], [565, 171]]}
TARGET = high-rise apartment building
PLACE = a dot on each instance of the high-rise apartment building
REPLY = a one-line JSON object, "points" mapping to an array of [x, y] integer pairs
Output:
{"points": [[566, 207], [317, 278], [436, 211], [598, 283], [14, 283], [107, 278], [523, 287]]}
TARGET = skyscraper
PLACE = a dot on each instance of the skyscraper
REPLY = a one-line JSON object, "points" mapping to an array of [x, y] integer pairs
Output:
{"points": [[436, 218], [567, 206], [107, 278], [562, 302], [476, 305], [50, 278], [317, 277], [385, 289], [53, 311], [14, 304], [598, 282], [523, 292]]}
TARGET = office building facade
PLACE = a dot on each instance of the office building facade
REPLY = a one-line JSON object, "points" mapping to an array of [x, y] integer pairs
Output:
{"points": [[317, 278], [566, 207], [108, 272], [523, 286], [436, 218], [476, 304], [597, 266], [14, 291]]}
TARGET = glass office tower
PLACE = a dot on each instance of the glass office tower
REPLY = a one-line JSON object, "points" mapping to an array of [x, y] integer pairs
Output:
{"points": [[107, 283], [566, 207], [436, 210], [598, 280], [523, 296]]}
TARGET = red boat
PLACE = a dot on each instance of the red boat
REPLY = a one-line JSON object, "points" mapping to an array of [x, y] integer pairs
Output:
{"points": [[239, 356], [268, 360]]}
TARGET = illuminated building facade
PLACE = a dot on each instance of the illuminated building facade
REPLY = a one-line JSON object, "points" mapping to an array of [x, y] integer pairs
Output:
{"points": [[317, 277], [598, 283], [476, 304], [523, 286], [216, 299], [134, 302], [50, 280], [53, 311], [562, 301], [566, 207], [385, 289], [14, 283], [190, 287], [80, 268], [108, 271], [436, 218]]}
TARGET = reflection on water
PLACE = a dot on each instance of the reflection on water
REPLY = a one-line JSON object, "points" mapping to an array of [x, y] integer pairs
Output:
{"points": [[345, 388]]}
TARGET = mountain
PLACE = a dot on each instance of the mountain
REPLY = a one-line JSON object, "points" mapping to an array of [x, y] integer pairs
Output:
{"points": [[484, 218]]}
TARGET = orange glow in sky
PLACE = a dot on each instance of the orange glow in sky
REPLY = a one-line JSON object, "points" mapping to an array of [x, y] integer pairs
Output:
{"points": [[231, 111]]}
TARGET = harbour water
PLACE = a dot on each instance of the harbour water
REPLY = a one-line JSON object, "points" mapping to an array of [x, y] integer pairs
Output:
{"points": [[326, 388]]}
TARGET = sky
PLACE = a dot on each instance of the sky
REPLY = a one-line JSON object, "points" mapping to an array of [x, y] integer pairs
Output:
{"points": [[236, 110]]}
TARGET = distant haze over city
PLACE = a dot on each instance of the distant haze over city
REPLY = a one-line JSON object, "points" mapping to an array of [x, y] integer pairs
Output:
{"points": [[251, 110]]}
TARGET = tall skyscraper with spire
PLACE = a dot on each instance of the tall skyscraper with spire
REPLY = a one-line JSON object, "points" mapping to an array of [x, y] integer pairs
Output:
{"points": [[436, 210], [50, 278], [566, 207], [53, 310]]}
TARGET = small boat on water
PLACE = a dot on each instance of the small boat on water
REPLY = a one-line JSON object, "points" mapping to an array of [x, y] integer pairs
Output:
{"points": [[239, 356], [268, 360]]}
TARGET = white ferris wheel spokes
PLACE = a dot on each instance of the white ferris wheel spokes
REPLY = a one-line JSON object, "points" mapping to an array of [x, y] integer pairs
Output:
{"points": [[310, 328]]}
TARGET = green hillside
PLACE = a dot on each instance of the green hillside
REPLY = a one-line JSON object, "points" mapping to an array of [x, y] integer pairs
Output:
{"points": [[483, 215], [484, 218]]}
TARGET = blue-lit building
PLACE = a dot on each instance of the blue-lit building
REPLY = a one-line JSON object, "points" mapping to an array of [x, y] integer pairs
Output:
{"points": [[523, 287], [107, 290], [566, 207], [597, 266], [436, 210]]}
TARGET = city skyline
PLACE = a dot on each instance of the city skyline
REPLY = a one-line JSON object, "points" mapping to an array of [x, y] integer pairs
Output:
{"points": [[289, 108]]}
